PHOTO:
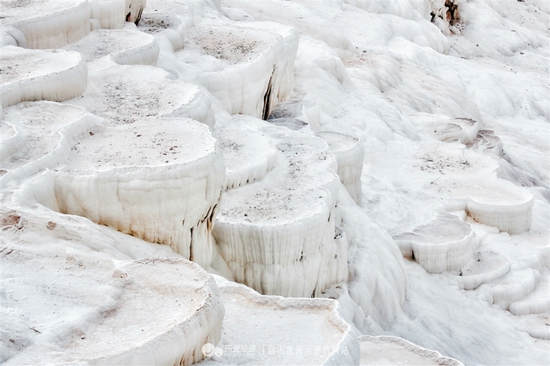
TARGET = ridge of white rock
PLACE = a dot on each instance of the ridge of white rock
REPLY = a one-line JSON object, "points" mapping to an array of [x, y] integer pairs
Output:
{"points": [[444, 244], [48, 131], [84, 293], [313, 331], [126, 93], [247, 66], [159, 180], [277, 234], [349, 154], [388, 350], [28, 75], [122, 46]]}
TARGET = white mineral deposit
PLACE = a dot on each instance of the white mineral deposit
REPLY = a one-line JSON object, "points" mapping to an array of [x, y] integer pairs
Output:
{"points": [[246, 182]]}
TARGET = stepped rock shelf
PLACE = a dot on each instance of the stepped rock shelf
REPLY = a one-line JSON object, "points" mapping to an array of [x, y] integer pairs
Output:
{"points": [[27, 75], [385, 350], [122, 46], [309, 324], [44, 135], [124, 93], [180, 183], [56, 23], [272, 233], [158, 180], [97, 309], [247, 67]]}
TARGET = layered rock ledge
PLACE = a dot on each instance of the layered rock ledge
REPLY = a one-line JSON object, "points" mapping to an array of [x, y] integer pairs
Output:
{"points": [[159, 180], [277, 235]]}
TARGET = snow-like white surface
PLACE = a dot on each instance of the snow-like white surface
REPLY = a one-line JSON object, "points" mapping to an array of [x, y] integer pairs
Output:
{"points": [[248, 67], [75, 293], [124, 94], [451, 109], [385, 350], [277, 234], [47, 23], [157, 181], [442, 245], [123, 46], [28, 75], [47, 132], [247, 153], [271, 330], [349, 155]]}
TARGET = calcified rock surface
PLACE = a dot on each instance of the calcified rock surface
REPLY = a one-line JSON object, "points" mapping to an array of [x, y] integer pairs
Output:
{"points": [[380, 165]]}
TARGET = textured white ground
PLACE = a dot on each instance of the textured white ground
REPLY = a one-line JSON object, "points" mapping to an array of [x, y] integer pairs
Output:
{"points": [[454, 123]]}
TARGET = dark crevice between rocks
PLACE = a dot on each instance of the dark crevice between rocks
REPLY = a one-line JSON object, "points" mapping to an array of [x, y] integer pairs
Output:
{"points": [[267, 99]]}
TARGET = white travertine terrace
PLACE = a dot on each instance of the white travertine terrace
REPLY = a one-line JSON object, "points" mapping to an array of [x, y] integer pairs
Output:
{"points": [[388, 350], [537, 302], [248, 155], [108, 317], [468, 181], [192, 316], [56, 23], [159, 180], [275, 232], [248, 67], [511, 288], [28, 75], [497, 203], [309, 323], [442, 245], [11, 141], [123, 46], [124, 93], [349, 154], [484, 267], [45, 133], [48, 23]]}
